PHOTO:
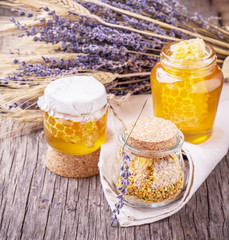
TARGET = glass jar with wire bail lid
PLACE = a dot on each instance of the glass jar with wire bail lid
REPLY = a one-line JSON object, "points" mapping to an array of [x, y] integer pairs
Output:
{"points": [[75, 114], [155, 174]]}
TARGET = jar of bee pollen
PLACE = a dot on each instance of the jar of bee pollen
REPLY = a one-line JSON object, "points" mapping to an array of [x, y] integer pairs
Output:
{"points": [[75, 114], [156, 167]]}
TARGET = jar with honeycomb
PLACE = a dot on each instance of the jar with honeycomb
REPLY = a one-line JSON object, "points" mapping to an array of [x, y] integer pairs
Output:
{"points": [[186, 85], [75, 114], [151, 163]]}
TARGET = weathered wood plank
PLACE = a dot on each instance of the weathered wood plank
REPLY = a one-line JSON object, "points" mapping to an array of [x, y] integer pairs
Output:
{"points": [[37, 204]]}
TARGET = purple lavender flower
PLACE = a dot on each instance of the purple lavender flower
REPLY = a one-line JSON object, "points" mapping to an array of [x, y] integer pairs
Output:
{"points": [[45, 9], [29, 15], [21, 13], [16, 61], [125, 182], [12, 19], [106, 49], [45, 59], [35, 39]]}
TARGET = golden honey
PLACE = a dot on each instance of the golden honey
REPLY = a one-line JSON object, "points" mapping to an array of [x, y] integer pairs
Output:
{"points": [[75, 114], [75, 138], [187, 92]]}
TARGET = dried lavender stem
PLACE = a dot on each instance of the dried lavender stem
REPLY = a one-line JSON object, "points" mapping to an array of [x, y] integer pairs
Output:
{"points": [[160, 23], [219, 60], [132, 75], [125, 174], [217, 28], [131, 81], [142, 53], [134, 124], [84, 12], [219, 50], [133, 29], [7, 28], [115, 114]]}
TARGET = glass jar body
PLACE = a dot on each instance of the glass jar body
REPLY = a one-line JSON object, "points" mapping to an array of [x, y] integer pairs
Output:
{"points": [[156, 179], [187, 94], [75, 137]]}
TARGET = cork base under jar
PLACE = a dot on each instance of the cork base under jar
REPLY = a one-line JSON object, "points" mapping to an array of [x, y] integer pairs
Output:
{"points": [[72, 166]]}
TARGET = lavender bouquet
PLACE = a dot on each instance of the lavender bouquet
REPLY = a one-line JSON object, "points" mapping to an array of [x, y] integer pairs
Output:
{"points": [[118, 42]]}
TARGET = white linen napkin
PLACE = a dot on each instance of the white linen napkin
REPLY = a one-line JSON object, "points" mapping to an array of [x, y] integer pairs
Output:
{"points": [[203, 159]]}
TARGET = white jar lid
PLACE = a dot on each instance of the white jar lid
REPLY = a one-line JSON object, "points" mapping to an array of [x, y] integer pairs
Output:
{"points": [[73, 96]]}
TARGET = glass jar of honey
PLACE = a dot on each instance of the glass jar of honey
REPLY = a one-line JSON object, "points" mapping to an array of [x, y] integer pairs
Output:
{"points": [[150, 161], [186, 87], [75, 114]]}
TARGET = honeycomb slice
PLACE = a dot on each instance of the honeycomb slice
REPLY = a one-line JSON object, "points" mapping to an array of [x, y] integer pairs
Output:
{"points": [[191, 50], [183, 102], [184, 108], [79, 133]]}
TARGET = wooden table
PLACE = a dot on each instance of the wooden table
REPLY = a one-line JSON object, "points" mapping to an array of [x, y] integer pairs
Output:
{"points": [[37, 204]]}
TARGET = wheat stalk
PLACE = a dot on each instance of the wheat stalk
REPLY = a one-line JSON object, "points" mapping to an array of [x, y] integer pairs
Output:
{"points": [[22, 128], [32, 93]]}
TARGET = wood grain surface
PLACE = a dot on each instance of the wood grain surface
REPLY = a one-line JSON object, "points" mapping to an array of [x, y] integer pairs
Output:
{"points": [[37, 204]]}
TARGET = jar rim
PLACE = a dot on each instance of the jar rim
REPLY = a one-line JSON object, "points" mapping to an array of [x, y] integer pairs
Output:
{"points": [[204, 62], [83, 117], [143, 152]]}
